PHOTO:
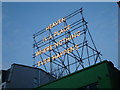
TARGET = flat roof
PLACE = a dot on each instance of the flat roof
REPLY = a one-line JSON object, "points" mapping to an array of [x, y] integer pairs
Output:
{"points": [[31, 67], [105, 61]]}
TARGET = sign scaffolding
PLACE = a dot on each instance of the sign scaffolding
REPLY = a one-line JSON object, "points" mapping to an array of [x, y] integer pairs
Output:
{"points": [[65, 46]]}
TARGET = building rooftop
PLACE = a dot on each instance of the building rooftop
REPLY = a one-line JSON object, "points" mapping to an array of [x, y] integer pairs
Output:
{"points": [[86, 76]]}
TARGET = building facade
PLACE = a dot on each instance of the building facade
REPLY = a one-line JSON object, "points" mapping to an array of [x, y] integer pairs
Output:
{"points": [[21, 76], [101, 75]]}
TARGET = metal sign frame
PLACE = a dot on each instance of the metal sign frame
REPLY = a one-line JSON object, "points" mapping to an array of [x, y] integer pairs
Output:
{"points": [[66, 55]]}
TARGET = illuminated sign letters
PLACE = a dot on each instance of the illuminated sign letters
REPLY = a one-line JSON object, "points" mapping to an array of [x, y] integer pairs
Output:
{"points": [[60, 42], [57, 33], [58, 55], [55, 23]]}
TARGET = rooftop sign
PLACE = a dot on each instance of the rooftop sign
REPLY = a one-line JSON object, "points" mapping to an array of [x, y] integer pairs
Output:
{"points": [[62, 47]]}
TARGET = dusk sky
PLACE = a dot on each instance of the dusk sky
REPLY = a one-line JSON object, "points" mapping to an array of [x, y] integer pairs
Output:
{"points": [[21, 20]]}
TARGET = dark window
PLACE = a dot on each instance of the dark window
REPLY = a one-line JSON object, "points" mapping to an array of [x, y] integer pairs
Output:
{"points": [[93, 86]]}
